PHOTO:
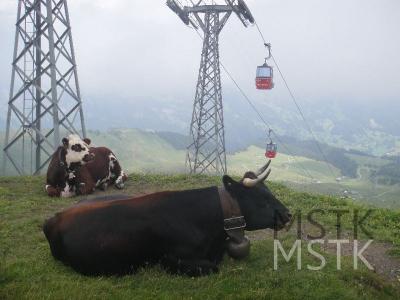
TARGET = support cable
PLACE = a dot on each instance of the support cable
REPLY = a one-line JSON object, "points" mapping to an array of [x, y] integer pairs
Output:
{"points": [[306, 172], [308, 127]]}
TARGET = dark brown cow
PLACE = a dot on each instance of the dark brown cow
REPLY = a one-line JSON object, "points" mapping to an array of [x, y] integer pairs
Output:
{"points": [[186, 231]]}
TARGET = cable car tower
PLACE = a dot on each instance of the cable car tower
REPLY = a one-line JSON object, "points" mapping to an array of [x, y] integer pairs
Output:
{"points": [[44, 93], [206, 152]]}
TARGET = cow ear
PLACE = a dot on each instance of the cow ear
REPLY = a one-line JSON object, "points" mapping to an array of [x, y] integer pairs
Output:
{"points": [[65, 142], [87, 141], [229, 183]]}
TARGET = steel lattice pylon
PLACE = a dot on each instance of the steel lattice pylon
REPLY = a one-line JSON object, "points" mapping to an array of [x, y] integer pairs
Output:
{"points": [[206, 152], [44, 92]]}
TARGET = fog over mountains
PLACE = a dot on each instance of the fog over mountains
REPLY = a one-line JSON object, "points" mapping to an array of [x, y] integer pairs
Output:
{"points": [[139, 69], [371, 127]]}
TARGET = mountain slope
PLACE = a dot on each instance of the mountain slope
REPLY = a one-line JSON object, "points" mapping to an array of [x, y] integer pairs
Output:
{"points": [[164, 152], [27, 269]]}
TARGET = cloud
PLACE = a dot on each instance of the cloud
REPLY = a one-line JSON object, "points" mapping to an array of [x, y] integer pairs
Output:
{"points": [[332, 49]]}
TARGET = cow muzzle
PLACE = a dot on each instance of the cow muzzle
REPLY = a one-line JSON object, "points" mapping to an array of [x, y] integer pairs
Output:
{"points": [[281, 219]]}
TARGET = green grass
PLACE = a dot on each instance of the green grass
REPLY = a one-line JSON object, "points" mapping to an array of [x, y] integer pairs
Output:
{"points": [[149, 152], [285, 168], [291, 171], [28, 271], [368, 160], [152, 153]]}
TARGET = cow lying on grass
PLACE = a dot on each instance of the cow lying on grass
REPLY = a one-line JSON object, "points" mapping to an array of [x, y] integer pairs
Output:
{"points": [[103, 171], [77, 168], [187, 232]]}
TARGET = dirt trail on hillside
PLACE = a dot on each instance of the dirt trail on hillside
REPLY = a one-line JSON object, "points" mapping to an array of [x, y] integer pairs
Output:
{"points": [[377, 253]]}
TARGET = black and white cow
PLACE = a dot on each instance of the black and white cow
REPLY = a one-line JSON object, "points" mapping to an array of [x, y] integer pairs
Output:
{"points": [[60, 179], [77, 168]]}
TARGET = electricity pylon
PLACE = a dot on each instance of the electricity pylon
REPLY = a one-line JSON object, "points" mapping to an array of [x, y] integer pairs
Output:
{"points": [[206, 152], [44, 91]]}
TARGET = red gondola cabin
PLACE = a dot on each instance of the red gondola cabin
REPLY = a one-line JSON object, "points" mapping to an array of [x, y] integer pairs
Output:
{"points": [[264, 77], [270, 151]]}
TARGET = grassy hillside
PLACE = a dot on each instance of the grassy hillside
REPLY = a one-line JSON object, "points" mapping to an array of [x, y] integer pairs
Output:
{"points": [[285, 168], [27, 269], [296, 171], [155, 152], [141, 151], [138, 150]]}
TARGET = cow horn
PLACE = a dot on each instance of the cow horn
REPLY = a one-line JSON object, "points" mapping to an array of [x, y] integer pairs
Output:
{"points": [[263, 168], [248, 182], [239, 250], [266, 175]]}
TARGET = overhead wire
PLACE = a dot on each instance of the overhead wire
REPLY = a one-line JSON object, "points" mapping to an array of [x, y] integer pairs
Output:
{"points": [[299, 108], [308, 127], [305, 171], [303, 117], [301, 112], [264, 121]]}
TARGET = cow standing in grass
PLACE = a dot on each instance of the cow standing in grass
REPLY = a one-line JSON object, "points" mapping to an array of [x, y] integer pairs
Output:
{"points": [[77, 168], [186, 231]]}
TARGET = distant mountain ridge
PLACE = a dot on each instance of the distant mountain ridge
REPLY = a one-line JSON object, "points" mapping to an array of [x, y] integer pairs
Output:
{"points": [[372, 128], [151, 145], [362, 176]]}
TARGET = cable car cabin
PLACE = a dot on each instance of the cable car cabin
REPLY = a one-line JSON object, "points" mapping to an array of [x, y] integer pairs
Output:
{"points": [[270, 151], [264, 77]]}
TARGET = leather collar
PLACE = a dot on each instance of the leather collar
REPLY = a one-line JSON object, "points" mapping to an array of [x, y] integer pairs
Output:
{"points": [[233, 219], [238, 245]]}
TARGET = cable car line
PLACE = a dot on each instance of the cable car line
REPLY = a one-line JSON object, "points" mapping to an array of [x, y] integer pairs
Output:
{"points": [[305, 171], [303, 117], [264, 121], [298, 106], [300, 111]]}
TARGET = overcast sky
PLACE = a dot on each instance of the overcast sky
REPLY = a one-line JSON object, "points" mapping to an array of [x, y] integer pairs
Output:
{"points": [[343, 50]]}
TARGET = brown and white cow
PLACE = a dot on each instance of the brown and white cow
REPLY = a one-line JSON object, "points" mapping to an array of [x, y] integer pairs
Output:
{"points": [[103, 171], [60, 179], [77, 168]]}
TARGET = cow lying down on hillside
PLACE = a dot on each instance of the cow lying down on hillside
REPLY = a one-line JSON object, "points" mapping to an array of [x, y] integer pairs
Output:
{"points": [[77, 168], [187, 232]]}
